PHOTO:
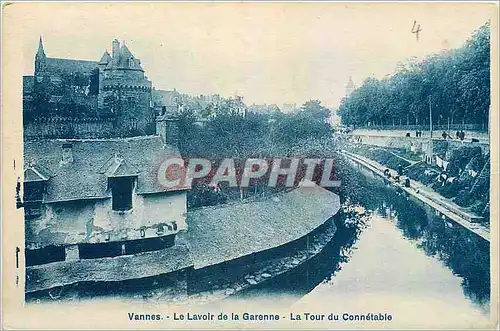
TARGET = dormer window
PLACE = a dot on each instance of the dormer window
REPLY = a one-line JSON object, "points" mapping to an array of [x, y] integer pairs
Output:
{"points": [[33, 196], [131, 62], [122, 189], [35, 184]]}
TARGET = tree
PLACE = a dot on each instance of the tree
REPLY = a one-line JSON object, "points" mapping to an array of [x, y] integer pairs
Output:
{"points": [[457, 82]]}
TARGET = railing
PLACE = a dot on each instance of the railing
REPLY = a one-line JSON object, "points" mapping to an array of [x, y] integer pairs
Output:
{"points": [[451, 127]]}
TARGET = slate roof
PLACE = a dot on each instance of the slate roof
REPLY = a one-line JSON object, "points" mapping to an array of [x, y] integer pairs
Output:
{"points": [[225, 232], [118, 167], [120, 268], [69, 66], [105, 58], [32, 174], [121, 61], [86, 177], [165, 98]]}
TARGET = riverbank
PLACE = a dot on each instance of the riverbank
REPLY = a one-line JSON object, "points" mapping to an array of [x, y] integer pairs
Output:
{"points": [[481, 136], [220, 233], [237, 245], [445, 206], [461, 175]]}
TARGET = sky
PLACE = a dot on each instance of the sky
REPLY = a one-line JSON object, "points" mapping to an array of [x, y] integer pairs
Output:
{"points": [[267, 52]]}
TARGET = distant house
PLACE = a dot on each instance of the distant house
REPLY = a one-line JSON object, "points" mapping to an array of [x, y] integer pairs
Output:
{"points": [[264, 109], [289, 107], [166, 101]]}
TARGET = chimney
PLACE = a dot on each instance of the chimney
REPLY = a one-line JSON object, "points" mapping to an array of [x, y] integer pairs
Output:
{"points": [[167, 128], [116, 48], [67, 153]]}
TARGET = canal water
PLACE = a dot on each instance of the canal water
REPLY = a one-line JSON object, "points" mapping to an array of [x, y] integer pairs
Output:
{"points": [[397, 257]]}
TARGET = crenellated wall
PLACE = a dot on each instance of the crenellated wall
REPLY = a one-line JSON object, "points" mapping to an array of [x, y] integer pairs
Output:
{"points": [[85, 128], [60, 127]]}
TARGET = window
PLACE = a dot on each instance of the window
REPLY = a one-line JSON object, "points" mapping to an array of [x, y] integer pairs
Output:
{"points": [[131, 62], [119, 248], [44, 255], [33, 195], [95, 251], [33, 191], [122, 188]]}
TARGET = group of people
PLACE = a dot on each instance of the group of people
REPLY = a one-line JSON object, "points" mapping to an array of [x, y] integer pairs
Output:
{"points": [[397, 178], [418, 134], [459, 135]]}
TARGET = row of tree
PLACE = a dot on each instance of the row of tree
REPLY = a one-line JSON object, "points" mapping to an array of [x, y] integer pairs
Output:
{"points": [[230, 133], [233, 134], [455, 84]]}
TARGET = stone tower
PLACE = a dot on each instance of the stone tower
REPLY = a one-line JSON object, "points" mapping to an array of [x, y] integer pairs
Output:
{"points": [[350, 87], [124, 91]]}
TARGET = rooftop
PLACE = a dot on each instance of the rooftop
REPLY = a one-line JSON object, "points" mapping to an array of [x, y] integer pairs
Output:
{"points": [[118, 268], [225, 232], [69, 66], [165, 98], [93, 160]]}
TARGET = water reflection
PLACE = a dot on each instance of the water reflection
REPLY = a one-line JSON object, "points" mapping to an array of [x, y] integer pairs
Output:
{"points": [[291, 286], [466, 254]]}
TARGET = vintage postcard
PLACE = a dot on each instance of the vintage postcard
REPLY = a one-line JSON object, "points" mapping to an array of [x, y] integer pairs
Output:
{"points": [[256, 165]]}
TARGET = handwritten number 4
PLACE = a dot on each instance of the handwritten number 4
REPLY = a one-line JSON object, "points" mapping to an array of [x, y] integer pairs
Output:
{"points": [[416, 29]]}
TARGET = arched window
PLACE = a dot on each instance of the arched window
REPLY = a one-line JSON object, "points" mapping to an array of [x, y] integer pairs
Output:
{"points": [[131, 62]]}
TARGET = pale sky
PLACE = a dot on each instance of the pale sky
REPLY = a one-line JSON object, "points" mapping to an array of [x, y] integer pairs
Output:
{"points": [[267, 52]]}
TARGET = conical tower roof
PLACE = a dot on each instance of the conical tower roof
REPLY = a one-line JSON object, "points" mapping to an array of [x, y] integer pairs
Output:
{"points": [[105, 58], [124, 60], [41, 52]]}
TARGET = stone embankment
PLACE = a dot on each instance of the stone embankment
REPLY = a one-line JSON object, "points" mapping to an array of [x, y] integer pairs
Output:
{"points": [[425, 194]]}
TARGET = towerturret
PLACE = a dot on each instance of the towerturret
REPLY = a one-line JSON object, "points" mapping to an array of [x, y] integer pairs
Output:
{"points": [[350, 87], [116, 48], [125, 91], [40, 57]]}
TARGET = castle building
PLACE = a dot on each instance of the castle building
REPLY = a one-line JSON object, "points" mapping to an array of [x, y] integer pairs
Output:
{"points": [[113, 88]]}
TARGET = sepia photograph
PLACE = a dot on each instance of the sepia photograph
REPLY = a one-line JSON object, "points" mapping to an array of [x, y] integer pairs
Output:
{"points": [[257, 165]]}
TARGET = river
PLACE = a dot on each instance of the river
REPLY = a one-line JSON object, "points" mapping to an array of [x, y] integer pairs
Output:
{"points": [[400, 258]]}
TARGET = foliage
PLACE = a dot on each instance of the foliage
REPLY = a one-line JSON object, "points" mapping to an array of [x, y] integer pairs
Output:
{"points": [[233, 134], [456, 82]]}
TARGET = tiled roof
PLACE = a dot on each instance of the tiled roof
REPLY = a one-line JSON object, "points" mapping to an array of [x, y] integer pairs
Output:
{"points": [[165, 98], [105, 58], [69, 66], [83, 178], [118, 167], [122, 60], [32, 174], [107, 269], [225, 232]]}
